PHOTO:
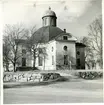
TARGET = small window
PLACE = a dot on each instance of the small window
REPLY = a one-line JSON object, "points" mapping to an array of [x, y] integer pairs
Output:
{"points": [[52, 60], [65, 38], [65, 48]]}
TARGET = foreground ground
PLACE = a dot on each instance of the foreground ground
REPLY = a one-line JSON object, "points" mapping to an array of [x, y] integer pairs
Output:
{"points": [[60, 92]]}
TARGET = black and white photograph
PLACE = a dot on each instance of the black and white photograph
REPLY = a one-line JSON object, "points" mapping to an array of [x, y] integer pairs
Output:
{"points": [[52, 51]]}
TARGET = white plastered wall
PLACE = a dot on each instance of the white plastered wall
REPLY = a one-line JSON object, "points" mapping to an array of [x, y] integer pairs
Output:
{"points": [[47, 63]]}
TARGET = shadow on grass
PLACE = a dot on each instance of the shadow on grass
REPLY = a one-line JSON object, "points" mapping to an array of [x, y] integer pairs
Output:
{"points": [[27, 84]]}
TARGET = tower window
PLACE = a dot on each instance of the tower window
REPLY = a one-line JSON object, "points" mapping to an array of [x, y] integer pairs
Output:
{"points": [[65, 59], [65, 38], [45, 21], [65, 48]]}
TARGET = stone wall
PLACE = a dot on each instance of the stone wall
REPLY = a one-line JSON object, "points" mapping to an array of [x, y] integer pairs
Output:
{"points": [[29, 77]]}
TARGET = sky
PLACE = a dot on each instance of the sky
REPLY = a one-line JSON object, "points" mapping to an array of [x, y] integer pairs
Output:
{"points": [[72, 15]]}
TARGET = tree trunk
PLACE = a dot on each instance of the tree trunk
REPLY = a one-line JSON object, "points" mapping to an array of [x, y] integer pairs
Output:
{"points": [[44, 64], [34, 62], [87, 65], [14, 66]]}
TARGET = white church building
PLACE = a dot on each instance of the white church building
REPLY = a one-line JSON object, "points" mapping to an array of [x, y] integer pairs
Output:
{"points": [[62, 49]]}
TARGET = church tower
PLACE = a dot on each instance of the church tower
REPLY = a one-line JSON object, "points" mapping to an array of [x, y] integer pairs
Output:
{"points": [[49, 18]]}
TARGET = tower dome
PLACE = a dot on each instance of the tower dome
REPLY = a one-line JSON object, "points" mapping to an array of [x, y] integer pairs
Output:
{"points": [[49, 18], [49, 13]]}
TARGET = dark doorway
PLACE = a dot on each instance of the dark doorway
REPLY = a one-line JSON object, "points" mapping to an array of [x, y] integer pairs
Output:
{"points": [[23, 61], [78, 63]]}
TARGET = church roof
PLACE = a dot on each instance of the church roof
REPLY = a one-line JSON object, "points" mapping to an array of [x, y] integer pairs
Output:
{"points": [[45, 34]]}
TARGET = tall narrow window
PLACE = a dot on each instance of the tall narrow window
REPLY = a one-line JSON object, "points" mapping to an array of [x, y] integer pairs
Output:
{"points": [[40, 61], [23, 61], [65, 59], [45, 21], [52, 60], [52, 49]]}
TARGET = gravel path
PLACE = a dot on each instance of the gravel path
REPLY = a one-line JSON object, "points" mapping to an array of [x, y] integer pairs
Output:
{"points": [[61, 92]]}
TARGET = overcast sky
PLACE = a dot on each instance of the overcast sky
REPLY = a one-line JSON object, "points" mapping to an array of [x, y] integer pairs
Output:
{"points": [[74, 15]]}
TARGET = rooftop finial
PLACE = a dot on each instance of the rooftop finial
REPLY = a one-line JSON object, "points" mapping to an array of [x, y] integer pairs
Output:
{"points": [[49, 8]]}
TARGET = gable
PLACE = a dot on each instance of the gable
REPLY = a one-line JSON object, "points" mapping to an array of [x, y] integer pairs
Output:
{"points": [[66, 37]]}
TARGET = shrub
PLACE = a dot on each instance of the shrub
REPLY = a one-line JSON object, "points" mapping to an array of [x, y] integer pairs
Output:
{"points": [[90, 75], [50, 76]]}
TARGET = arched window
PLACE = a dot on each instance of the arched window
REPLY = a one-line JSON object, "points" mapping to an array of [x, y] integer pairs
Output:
{"points": [[65, 48]]}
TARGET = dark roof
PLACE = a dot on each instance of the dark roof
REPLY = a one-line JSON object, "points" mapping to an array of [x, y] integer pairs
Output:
{"points": [[80, 44], [45, 34]]}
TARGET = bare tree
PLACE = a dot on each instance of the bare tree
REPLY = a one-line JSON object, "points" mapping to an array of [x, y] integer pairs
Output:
{"points": [[6, 51], [13, 34], [93, 43], [88, 52], [95, 39], [36, 46]]}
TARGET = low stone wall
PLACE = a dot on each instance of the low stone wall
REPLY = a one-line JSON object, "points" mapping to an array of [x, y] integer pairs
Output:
{"points": [[29, 77]]}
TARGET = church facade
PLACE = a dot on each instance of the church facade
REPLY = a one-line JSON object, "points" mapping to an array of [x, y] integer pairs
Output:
{"points": [[62, 51]]}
